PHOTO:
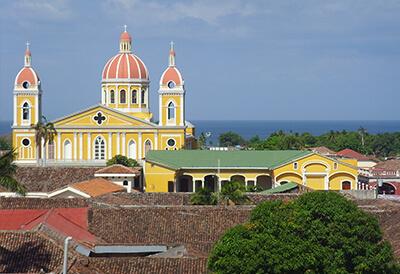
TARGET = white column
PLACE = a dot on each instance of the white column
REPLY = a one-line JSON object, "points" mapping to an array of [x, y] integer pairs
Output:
{"points": [[202, 183], [123, 143], [129, 96], [36, 109], [219, 185], [194, 186], [160, 110], [182, 110], [326, 181], [75, 146], [139, 146], [117, 96], [80, 146], [139, 96], [109, 145], [59, 146], [118, 142], [156, 140], [89, 145], [15, 110]]}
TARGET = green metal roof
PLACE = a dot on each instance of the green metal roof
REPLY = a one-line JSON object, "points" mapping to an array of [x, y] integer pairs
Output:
{"points": [[206, 159], [281, 188]]}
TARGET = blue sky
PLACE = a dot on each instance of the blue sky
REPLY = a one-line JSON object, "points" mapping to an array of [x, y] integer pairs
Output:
{"points": [[271, 60]]}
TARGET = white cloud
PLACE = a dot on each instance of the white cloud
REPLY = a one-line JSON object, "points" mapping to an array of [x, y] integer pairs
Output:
{"points": [[42, 9]]}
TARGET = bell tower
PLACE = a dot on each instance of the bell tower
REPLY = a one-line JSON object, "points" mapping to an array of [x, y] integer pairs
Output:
{"points": [[27, 94], [171, 94]]}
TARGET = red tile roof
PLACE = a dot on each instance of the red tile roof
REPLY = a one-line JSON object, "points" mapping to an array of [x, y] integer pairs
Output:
{"points": [[97, 187], [67, 221], [119, 169], [349, 153]]}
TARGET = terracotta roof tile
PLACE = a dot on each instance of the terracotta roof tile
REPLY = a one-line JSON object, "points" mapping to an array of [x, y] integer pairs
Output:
{"points": [[119, 169], [97, 187], [349, 153]]}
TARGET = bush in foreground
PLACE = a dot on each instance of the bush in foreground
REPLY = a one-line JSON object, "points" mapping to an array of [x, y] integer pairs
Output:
{"points": [[122, 160], [320, 232]]}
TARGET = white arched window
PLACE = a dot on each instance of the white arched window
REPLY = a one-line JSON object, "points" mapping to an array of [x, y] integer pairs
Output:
{"points": [[134, 96], [143, 96], [112, 97], [122, 96], [25, 111], [171, 111], [132, 149], [67, 150], [99, 149], [147, 146]]}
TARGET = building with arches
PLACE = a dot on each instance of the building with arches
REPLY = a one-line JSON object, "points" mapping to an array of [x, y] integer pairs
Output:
{"points": [[189, 170], [121, 124]]}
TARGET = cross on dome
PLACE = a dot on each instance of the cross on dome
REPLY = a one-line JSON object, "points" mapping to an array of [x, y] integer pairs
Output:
{"points": [[172, 55], [125, 26], [27, 55]]}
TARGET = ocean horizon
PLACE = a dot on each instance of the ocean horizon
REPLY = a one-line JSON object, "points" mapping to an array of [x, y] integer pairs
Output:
{"points": [[264, 128]]}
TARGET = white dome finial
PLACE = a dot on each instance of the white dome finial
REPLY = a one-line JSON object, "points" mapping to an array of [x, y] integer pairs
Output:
{"points": [[125, 26]]}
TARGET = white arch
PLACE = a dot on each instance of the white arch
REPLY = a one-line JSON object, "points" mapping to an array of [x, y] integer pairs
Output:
{"points": [[132, 150], [345, 172], [328, 167], [67, 149], [101, 149]]}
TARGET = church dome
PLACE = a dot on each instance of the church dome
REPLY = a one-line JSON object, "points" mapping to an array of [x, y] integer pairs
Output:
{"points": [[125, 65], [27, 76]]}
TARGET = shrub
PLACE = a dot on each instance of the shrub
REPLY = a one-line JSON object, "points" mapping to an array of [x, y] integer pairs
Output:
{"points": [[321, 232], [234, 192], [122, 160], [203, 196]]}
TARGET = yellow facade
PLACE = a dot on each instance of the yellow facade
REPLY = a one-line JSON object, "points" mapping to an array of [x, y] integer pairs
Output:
{"points": [[314, 171]]}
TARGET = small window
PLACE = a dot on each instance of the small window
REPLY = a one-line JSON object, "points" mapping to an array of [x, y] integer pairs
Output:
{"points": [[171, 142], [295, 165], [25, 84], [143, 95], [125, 183], [335, 165], [346, 185], [25, 111], [170, 186], [122, 96], [26, 142], [112, 97], [171, 84], [134, 96], [171, 111]]}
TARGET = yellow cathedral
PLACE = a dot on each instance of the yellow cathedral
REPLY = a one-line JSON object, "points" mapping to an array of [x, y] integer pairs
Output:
{"points": [[121, 124]]}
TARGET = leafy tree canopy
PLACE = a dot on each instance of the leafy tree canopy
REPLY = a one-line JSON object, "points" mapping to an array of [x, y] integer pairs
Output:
{"points": [[7, 172], [5, 144], [122, 160], [203, 196], [320, 232], [229, 139]]}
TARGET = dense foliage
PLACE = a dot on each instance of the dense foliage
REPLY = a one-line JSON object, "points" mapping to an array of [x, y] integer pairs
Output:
{"points": [[380, 145], [122, 160], [234, 192], [230, 138], [203, 196], [7, 172], [5, 144], [320, 232]]}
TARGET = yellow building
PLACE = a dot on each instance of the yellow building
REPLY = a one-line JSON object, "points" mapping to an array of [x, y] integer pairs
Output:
{"points": [[188, 170], [121, 124]]}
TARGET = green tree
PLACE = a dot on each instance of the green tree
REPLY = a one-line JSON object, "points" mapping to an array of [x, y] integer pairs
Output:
{"points": [[230, 139], [44, 133], [203, 196], [320, 232], [7, 172], [122, 160], [234, 192], [202, 140], [5, 144]]}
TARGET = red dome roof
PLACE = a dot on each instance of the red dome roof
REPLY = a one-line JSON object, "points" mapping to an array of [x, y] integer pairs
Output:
{"points": [[125, 66], [125, 36], [27, 74], [171, 74]]}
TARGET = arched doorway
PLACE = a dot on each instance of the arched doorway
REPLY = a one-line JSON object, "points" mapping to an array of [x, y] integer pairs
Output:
{"points": [[67, 150], [132, 149], [239, 178], [264, 182], [211, 182], [387, 188], [147, 147], [185, 184], [346, 185]]}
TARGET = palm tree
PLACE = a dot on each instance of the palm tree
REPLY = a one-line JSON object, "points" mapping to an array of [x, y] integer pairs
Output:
{"points": [[362, 131], [44, 133], [7, 172]]}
